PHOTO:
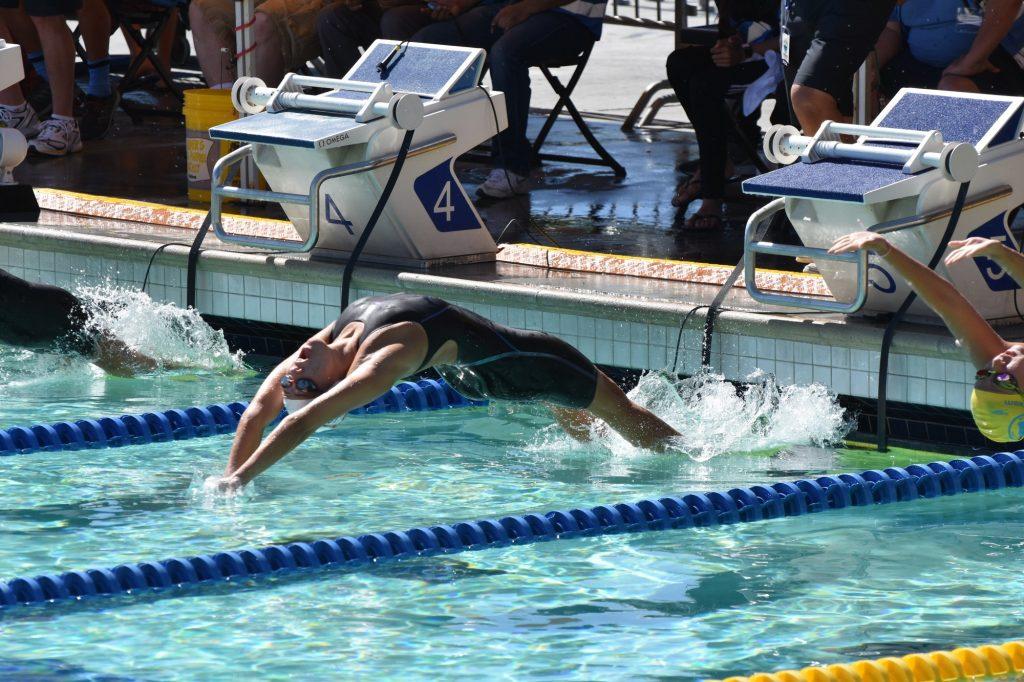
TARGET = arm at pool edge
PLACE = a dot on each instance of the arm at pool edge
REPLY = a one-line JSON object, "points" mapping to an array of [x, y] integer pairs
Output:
{"points": [[973, 332], [373, 377]]}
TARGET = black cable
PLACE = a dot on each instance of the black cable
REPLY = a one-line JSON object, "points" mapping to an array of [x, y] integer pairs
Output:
{"points": [[346, 280], [679, 337], [193, 262], [716, 304], [890, 329], [149, 266]]}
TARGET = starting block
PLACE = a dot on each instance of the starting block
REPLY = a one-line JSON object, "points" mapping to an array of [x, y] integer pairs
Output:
{"points": [[900, 178], [328, 146], [17, 202]]}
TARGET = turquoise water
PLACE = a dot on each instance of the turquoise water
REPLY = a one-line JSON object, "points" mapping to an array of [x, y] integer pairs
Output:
{"points": [[684, 604]]}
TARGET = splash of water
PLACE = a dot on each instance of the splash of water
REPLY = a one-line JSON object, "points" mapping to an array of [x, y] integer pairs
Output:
{"points": [[716, 417], [162, 331]]}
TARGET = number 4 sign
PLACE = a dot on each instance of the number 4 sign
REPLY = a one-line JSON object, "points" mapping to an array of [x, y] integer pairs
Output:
{"points": [[444, 200]]}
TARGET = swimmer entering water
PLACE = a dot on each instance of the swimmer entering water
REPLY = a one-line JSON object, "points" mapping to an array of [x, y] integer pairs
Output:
{"points": [[380, 339], [997, 401], [47, 317]]}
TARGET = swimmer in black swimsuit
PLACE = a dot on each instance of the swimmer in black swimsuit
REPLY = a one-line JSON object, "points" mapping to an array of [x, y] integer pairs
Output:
{"points": [[46, 317], [378, 340]]}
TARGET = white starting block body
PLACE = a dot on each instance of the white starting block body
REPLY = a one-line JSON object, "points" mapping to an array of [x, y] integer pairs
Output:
{"points": [[901, 179], [328, 156]]}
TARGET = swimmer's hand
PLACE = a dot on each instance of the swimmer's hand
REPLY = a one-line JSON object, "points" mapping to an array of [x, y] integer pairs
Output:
{"points": [[862, 241], [975, 247], [223, 484]]}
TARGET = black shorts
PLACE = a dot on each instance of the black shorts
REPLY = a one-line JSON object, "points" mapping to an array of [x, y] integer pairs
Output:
{"points": [[42, 316], [542, 368], [829, 40], [44, 8]]}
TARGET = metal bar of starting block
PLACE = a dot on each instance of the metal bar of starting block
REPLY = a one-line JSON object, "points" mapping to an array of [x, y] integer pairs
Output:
{"points": [[312, 199], [958, 161], [260, 96], [751, 248]]}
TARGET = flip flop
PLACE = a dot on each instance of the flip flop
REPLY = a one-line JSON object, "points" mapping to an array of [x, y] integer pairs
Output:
{"points": [[704, 222]]}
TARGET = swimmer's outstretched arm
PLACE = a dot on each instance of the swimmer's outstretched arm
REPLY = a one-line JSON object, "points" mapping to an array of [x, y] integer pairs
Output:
{"points": [[262, 410], [117, 358], [374, 375], [972, 331]]}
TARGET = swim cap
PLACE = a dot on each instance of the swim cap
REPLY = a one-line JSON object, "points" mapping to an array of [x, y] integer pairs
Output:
{"points": [[999, 416], [293, 405]]}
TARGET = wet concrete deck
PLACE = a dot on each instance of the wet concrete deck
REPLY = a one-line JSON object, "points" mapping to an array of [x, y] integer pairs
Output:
{"points": [[574, 206]]}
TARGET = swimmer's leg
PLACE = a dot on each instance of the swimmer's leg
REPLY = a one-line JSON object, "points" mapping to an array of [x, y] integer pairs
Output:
{"points": [[637, 424], [576, 423]]}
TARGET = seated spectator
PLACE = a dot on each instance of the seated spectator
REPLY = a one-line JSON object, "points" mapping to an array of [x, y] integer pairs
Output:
{"points": [[997, 402], [60, 134], [701, 76], [349, 25], [517, 35], [823, 44], [953, 45], [15, 112], [283, 31]]}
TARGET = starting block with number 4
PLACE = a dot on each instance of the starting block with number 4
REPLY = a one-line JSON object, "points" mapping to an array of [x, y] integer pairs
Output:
{"points": [[327, 148]]}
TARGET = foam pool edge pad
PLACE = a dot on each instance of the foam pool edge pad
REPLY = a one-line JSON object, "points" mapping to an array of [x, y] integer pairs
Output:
{"points": [[693, 510]]}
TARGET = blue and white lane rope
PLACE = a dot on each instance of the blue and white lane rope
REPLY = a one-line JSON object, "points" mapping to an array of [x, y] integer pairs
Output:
{"points": [[199, 422], [698, 510]]}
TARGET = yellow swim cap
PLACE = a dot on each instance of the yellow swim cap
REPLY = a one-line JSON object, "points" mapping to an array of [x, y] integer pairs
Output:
{"points": [[999, 416]]}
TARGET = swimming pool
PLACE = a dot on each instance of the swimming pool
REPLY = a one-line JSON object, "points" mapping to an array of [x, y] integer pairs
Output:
{"points": [[685, 604]]}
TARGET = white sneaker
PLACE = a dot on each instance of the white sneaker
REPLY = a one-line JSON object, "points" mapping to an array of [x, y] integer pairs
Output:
{"points": [[502, 184], [57, 137], [21, 118]]}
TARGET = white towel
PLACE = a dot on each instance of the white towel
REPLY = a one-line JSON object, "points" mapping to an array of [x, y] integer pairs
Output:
{"points": [[764, 86]]}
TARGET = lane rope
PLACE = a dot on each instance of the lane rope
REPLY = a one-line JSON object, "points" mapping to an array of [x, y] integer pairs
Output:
{"points": [[694, 510], [199, 422], [965, 663]]}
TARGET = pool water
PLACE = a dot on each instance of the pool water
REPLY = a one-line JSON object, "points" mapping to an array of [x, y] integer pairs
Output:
{"points": [[682, 604]]}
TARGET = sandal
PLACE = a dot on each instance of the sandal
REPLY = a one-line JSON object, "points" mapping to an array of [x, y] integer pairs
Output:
{"points": [[704, 222], [687, 191]]}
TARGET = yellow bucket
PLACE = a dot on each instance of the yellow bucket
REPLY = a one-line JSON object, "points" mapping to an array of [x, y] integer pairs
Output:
{"points": [[204, 109]]}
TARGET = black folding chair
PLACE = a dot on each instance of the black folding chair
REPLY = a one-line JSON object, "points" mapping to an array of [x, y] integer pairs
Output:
{"points": [[564, 92], [153, 16]]}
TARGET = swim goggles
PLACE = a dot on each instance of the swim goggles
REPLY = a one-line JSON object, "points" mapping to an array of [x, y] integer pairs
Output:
{"points": [[301, 384], [1003, 380]]}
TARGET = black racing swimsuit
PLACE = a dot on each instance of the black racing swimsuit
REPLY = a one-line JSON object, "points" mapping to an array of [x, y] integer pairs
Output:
{"points": [[494, 361], [42, 316]]}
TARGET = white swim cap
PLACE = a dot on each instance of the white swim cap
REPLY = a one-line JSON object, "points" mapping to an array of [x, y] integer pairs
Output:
{"points": [[293, 405]]}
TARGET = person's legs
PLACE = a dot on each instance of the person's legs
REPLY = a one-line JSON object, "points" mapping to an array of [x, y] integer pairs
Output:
{"points": [[58, 135], [1008, 79], [212, 23], [402, 23], [637, 424], [285, 35], [704, 104], [469, 29], [342, 31], [544, 36], [100, 99], [903, 71], [843, 34]]}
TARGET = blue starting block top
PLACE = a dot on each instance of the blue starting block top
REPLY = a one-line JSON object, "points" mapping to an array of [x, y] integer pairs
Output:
{"points": [[428, 70], [287, 128], [981, 121]]}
